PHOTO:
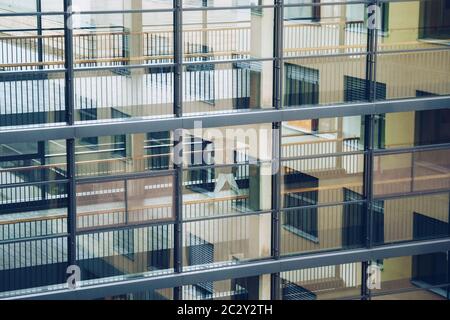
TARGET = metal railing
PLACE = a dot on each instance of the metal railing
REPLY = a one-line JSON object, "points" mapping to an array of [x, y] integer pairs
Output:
{"points": [[99, 47]]}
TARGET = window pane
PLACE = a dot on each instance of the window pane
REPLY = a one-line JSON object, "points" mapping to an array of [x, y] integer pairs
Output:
{"points": [[414, 74], [415, 128], [32, 263], [136, 93], [322, 283], [32, 99], [89, 5], [322, 228], [157, 294], [228, 145], [120, 203], [311, 81], [223, 3], [226, 190], [250, 288], [411, 218], [33, 215], [411, 172], [228, 34], [122, 39], [214, 88], [23, 47], [426, 27], [123, 252], [322, 136], [411, 274], [226, 241], [324, 30], [323, 180], [111, 155]]}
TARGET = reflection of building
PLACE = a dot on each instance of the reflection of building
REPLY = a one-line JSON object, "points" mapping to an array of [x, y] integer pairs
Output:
{"points": [[88, 151]]}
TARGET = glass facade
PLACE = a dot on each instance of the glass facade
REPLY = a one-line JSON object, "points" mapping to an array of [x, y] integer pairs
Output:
{"points": [[142, 139]]}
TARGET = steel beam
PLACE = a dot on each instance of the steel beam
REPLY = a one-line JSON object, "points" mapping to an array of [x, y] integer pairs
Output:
{"points": [[249, 269], [79, 130]]}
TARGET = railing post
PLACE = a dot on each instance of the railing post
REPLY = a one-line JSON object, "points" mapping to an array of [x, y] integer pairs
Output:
{"points": [[43, 175], [178, 145], [276, 145]]}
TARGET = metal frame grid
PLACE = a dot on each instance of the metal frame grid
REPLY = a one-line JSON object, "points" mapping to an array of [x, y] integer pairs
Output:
{"points": [[276, 115]]}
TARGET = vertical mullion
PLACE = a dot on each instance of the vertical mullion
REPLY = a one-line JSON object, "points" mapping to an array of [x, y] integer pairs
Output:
{"points": [[39, 33], [68, 62], [368, 147], [178, 145], [71, 204], [70, 143], [275, 279]]}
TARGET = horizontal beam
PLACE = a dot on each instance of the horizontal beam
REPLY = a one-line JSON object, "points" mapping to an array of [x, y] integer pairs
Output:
{"points": [[129, 126], [244, 270]]}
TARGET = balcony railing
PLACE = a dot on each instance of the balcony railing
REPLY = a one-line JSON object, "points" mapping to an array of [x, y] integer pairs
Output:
{"points": [[99, 47]]}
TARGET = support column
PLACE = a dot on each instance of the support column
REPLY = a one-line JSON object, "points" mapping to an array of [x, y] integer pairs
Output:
{"points": [[261, 194], [261, 78], [265, 91], [133, 28]]}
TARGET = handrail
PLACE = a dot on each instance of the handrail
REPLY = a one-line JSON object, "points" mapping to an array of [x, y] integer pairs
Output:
{"points": [[58, 165], [189, 55], [198, 55], [112, 211], [130, 59], [202, 201], [318, 141], [80, 163]]}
